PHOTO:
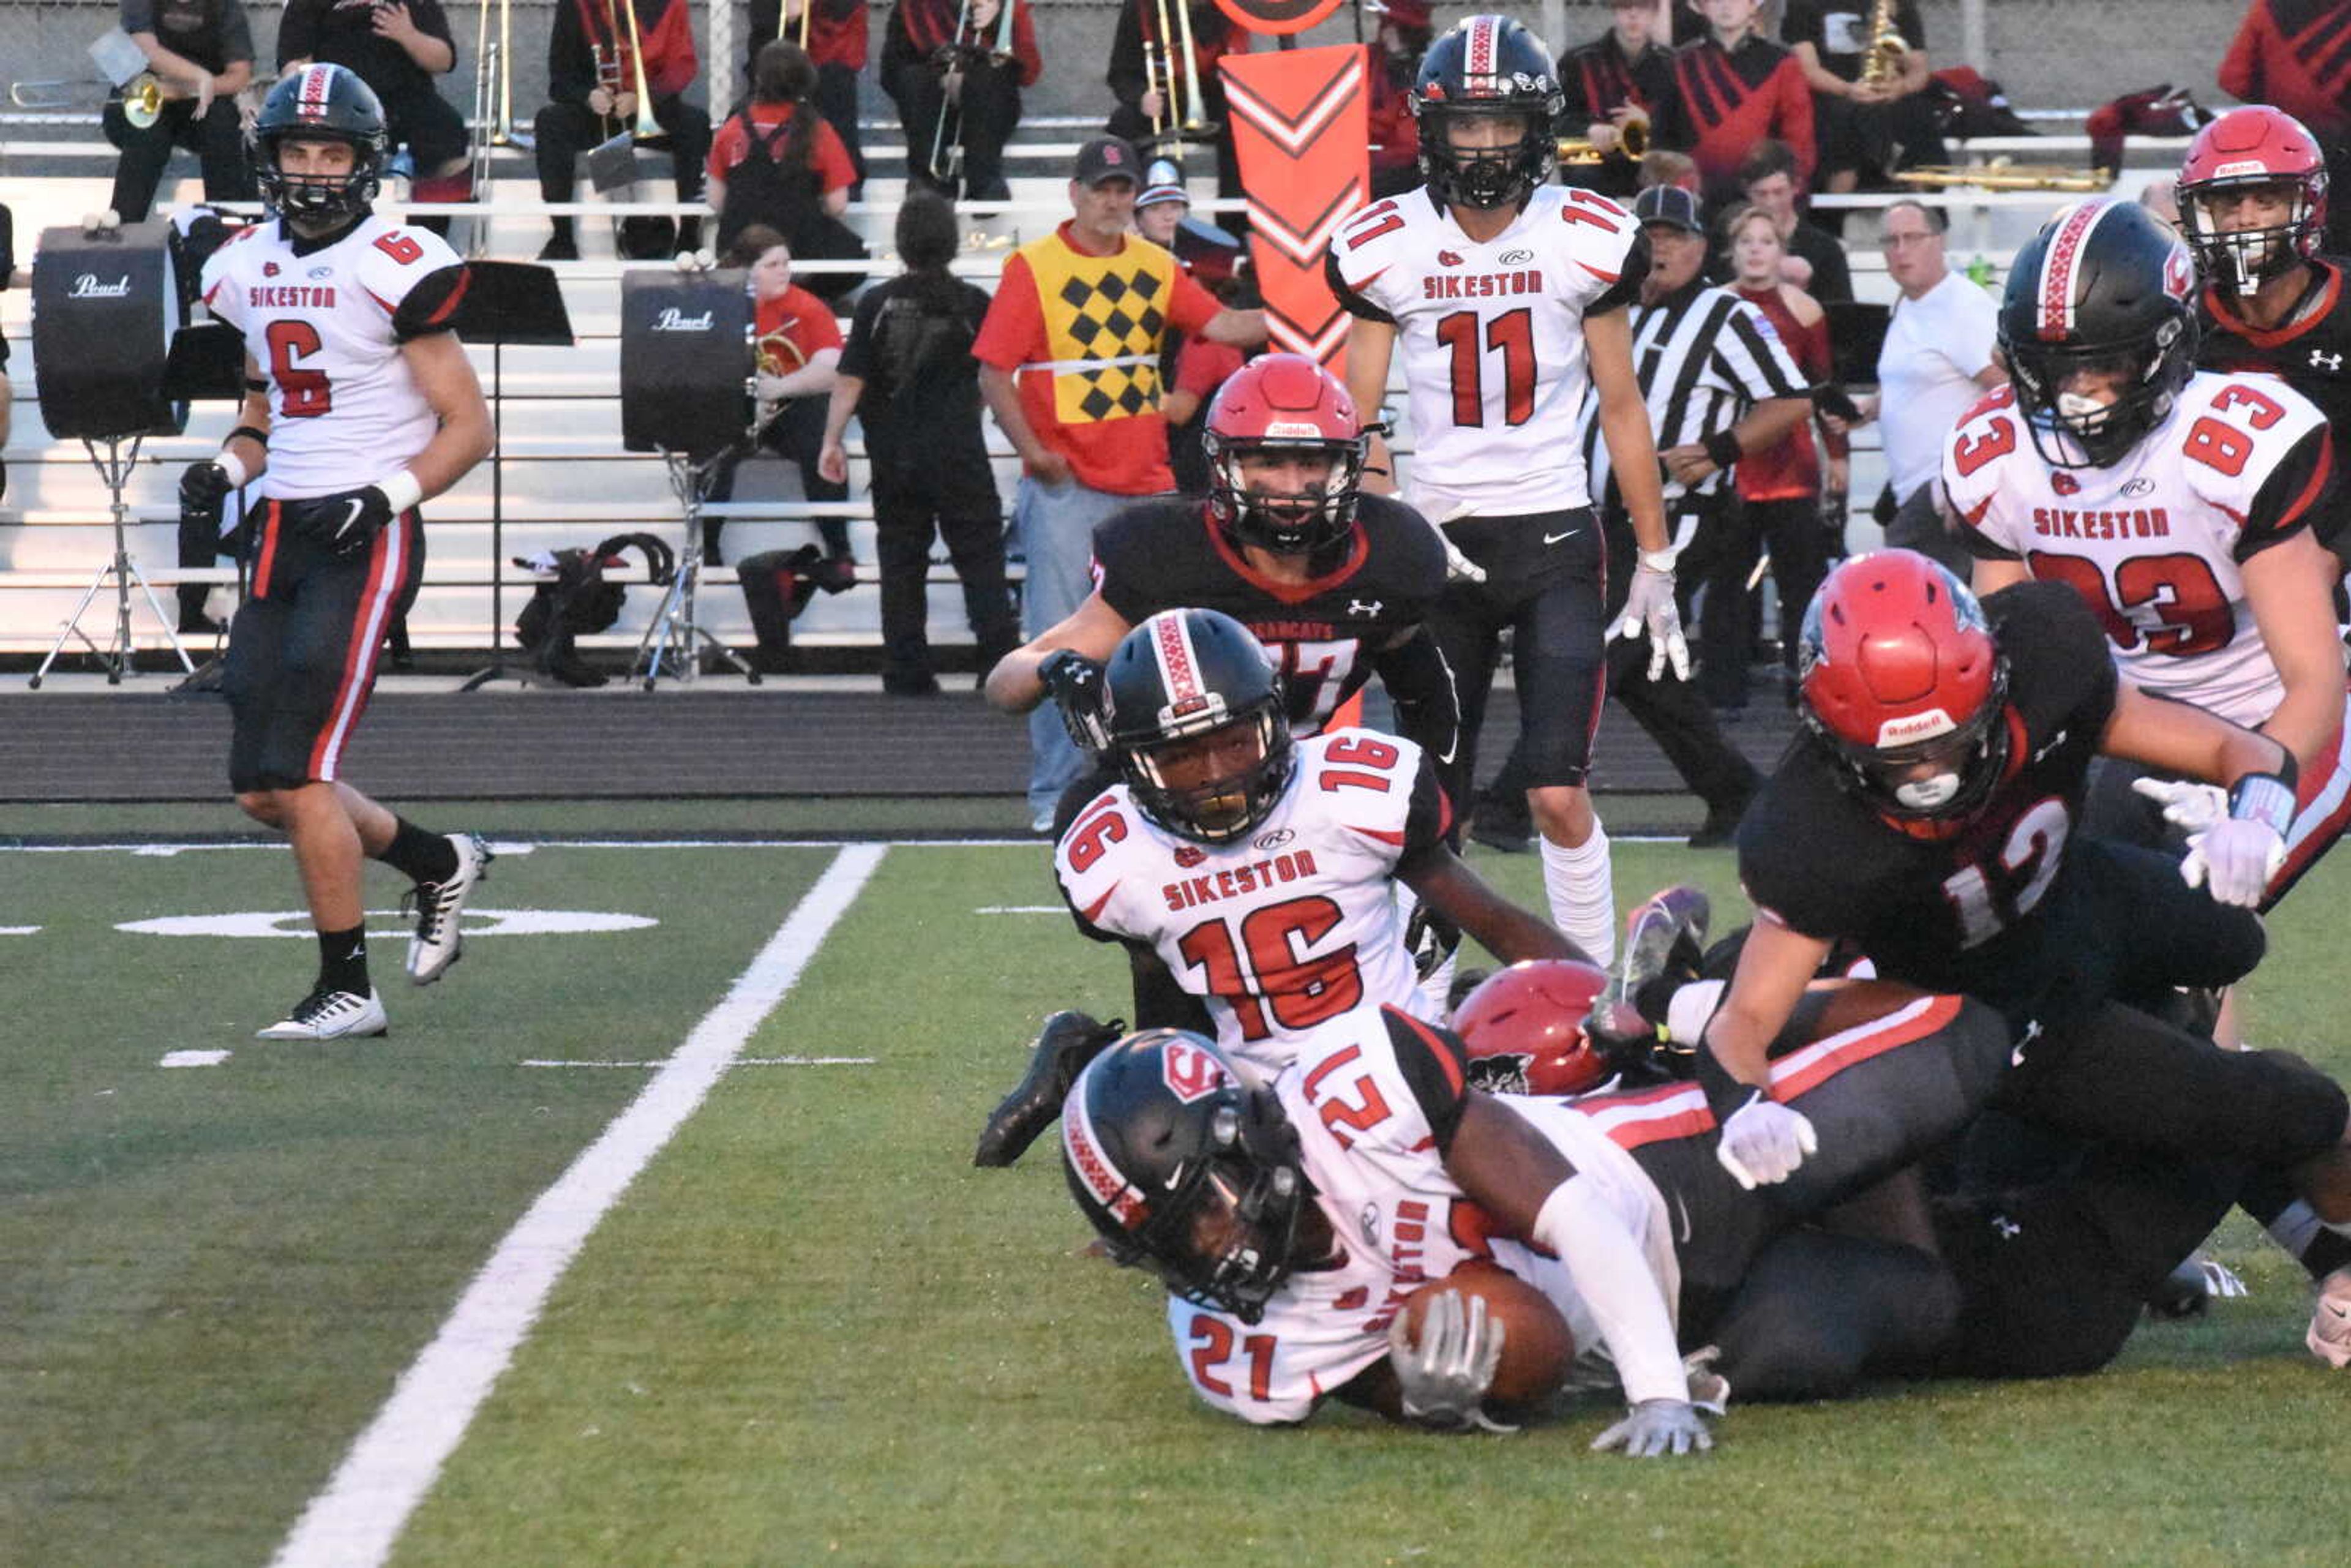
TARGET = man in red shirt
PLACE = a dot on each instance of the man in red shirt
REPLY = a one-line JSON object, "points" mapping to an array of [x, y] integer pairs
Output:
{"points": [[1080, 317]]}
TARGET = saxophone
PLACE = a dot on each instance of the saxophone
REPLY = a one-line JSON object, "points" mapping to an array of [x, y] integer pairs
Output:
{"points": [[1882, 55]]}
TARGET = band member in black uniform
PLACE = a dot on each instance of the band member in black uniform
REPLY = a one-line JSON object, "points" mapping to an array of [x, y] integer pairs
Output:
{"points": [[592, 71], [1624, 76], [397, 49], [1153, 112], [963, 61]]}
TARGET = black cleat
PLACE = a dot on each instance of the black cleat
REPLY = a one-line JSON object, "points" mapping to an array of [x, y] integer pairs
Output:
{"points": [[1664, 940], [1067, 1041]]}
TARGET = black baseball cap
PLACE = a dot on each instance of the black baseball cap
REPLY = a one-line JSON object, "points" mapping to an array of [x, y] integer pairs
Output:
{"points": [[1668, 205], [1108, 158]]}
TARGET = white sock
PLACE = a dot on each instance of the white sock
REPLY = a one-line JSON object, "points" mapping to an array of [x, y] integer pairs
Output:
{"points": [[1582, 898], [1692, 1005]]}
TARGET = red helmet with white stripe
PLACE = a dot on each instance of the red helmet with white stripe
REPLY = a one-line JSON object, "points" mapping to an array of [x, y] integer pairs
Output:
{"points": [[1194, 710], [1899, 679], [2098, 327], [1523, 1027], [2246, 150], [1487, 67], [1276, 404]]}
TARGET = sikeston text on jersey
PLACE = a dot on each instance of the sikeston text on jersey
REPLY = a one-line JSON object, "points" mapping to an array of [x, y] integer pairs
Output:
{"points": [[1480, 285], [290, 296], [2135, 523], [1254, 876]]}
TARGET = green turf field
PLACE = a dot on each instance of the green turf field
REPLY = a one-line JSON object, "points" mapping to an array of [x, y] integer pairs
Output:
{"points": [[809, 1332]]}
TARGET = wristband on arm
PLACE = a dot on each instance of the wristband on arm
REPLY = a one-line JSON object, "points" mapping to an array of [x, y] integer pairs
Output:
{"points": [[1722, 449]]}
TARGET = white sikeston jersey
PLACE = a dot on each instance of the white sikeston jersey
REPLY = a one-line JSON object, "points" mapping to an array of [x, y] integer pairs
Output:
{"points": [[2156, 542], [326, 326], [1291, 930], [1492, 338]]}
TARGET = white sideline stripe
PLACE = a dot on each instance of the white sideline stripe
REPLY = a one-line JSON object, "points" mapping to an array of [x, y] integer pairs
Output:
{"points": [[18, 930], [1022, 909], [355, 1522], [1024, 842], [192, 1058], [739, 1062]]}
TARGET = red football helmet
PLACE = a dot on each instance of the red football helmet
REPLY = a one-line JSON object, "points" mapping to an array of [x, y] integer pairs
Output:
{"points": [[2255, 145], [1284, 403], [1897, 668], [1524, 1029]]}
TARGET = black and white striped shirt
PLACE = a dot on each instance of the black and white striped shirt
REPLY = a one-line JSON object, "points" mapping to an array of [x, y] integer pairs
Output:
{"points": [[1704, 357]]}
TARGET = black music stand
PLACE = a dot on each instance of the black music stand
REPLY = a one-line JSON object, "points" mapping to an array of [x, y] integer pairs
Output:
{"points": [[507, 302]]}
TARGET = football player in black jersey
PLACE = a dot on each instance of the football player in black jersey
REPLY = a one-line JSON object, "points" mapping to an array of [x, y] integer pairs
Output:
{"points": [[1924, 815], [2252, 205], [1333, 582]]}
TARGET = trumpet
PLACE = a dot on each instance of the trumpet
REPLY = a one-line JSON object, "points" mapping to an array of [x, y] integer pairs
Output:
{"points": [[143, 97], [1632, 141], [2003, 175]]}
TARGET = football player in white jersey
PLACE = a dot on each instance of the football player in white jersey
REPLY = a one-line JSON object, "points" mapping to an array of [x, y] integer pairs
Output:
{"points": [[1291, 1221], [2179, 504], [1508, 295], [1256, 871], [361, 403]]}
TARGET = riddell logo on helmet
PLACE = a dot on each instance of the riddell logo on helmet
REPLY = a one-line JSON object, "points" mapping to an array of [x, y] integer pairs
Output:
{"points": [[1916, 727], [2241, 169], [1292, 430]]}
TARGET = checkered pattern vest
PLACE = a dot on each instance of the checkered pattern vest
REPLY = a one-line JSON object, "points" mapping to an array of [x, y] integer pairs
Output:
{"points": [[1105, 317]]}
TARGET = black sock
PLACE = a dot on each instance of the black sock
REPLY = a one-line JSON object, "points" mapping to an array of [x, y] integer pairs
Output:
{"points": [[418, 856], [342, 960], [2270, 1198]]}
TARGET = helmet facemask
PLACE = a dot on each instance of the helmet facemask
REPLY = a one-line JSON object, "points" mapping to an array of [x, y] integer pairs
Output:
{"points": [[2243, 260], [1215, 780], [1227, 1237], [2074, 429], [1484, 177], [316, 197], [1316, 519]]}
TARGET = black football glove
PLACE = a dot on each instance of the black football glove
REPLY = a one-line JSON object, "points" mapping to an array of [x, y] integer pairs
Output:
{"points": [[1075, 684], [346, 523], [203, 488], [1067, 1041]]}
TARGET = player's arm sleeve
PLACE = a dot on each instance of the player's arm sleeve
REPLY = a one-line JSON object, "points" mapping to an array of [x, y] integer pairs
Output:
{"points": [[1420, 685], [1435, 1066], [1428, 815], [1116, 554], [2302, 492], [431, 303], [1627, 288], [1350, 299]]}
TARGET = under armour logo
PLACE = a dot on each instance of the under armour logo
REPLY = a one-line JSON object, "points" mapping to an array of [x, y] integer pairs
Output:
{"points": [[2007, 1229], [1364, 607], [2032, 1032], [2052, 744], [2323, 361]]}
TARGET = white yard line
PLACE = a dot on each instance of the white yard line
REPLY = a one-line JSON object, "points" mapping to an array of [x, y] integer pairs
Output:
{"points": [[739, 1062], [527, 846], [354, 1522]]}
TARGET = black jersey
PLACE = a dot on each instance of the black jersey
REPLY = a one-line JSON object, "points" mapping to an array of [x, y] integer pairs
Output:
{"points": [[1329, 634], [1953, 914], [2311, 354]]}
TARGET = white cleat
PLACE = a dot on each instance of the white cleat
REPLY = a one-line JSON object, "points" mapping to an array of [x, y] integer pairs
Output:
{"points": [[438, 942], [2330, 1320], [332, 1015]]}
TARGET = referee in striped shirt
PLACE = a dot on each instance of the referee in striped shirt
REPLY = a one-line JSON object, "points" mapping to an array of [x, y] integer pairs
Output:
{"points": [[1718, 382]]}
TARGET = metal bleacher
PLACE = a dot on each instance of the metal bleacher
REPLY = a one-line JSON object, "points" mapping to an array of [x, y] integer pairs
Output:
{"points": [[566, 479]]}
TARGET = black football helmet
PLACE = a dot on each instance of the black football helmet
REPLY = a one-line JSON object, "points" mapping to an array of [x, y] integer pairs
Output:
{"points": [[323, 103], [1487, 67], [1185, 1170], [2103, 286], [1189, 686]]}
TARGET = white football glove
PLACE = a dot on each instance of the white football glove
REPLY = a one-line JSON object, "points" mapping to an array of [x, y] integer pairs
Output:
{"points": [[2236, 856], [1656, 1428], [1764, 1141], [1459, 567], [1444, 1377], [2187, 804], [1649, 608]]}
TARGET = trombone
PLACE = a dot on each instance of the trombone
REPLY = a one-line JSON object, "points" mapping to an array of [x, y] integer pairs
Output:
{"points": [[1632, 141], [1183, 114], [784, 23], [143, 97], [494, 79], [2001, 174], [647, 128], [966, 44]]}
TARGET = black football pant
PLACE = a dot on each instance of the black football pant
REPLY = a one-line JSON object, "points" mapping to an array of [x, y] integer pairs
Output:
{"points": [[797, 433], [963, 509], [1674, 713], [990, 112], [1790, 528], [567, 130]]}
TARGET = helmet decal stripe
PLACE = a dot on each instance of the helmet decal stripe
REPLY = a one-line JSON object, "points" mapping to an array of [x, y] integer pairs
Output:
{"points": [[1480, 49], [1179, 669], [318, 86], [2060, 268], [1110, 1188]]}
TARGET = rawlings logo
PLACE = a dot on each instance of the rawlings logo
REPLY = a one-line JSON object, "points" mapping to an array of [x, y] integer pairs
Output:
{"points": [[1191, 1074], [1276, 839], [1516, 257], [1915, 726], [2142, 485]]}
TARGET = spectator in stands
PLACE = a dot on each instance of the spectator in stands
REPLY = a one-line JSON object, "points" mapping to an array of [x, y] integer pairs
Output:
{"points": [[202, 53], [1190, 370], [1402, 37], [1779, 486], [1810, 257], [1735, 88], [2161, 197], [834, 36], [798, 345], [778, 162], [1663, 166], [1622, 74], [585, 109], [1865, 130], [909, 377], [1143, 116], [1939, 357], [1085, 415], [396, 48], [2290, 54], [934, 72]]}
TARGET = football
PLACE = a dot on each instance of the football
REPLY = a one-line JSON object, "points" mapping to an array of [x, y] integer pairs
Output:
{"points": [[1537, 1347]]}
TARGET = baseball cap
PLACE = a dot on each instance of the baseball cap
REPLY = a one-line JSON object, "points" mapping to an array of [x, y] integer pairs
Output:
{"points": [[1161, 181], [1668, 205], [1108, 158]]}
